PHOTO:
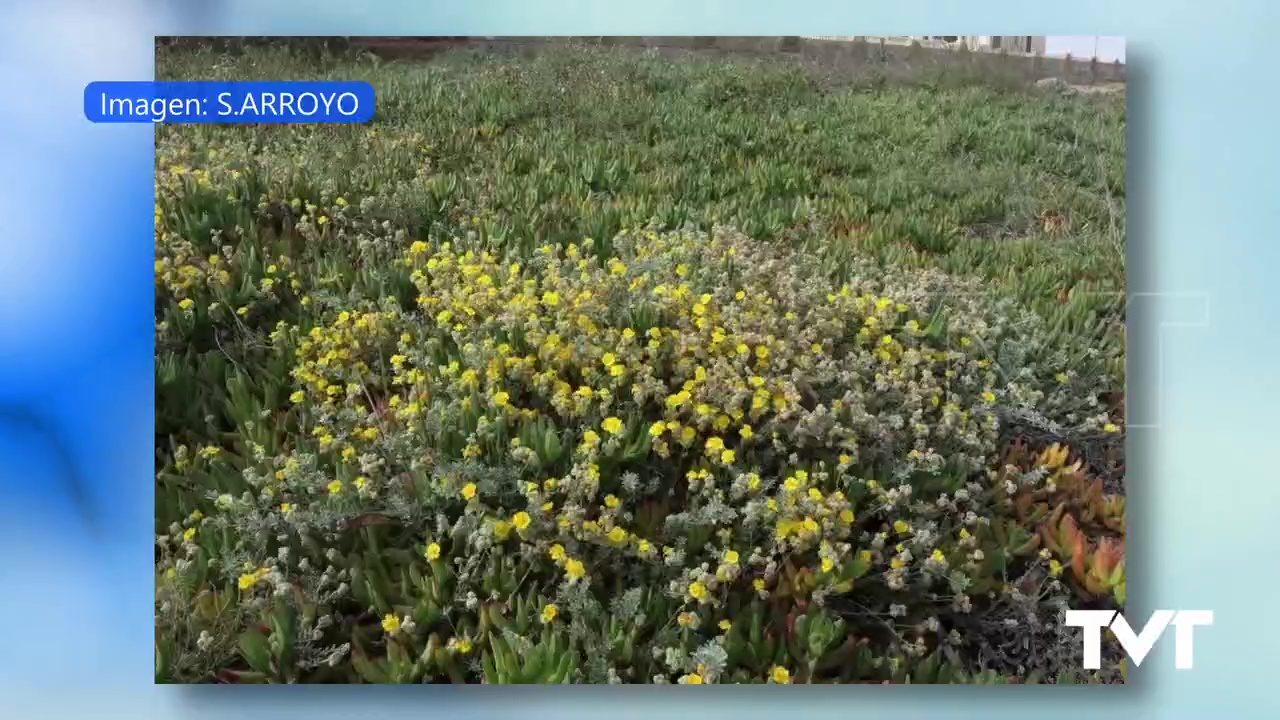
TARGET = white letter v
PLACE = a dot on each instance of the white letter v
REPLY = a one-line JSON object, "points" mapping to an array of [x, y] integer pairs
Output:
{"points": [[1137, 646]]}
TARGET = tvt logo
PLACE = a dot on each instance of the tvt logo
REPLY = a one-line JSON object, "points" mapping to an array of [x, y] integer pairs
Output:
{"points": [[1137, 645]]}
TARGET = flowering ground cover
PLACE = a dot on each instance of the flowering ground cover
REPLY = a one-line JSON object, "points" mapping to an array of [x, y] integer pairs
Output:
{"points": [[591, 366]]}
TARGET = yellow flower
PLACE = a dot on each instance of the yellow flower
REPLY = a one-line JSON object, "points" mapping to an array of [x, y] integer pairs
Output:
{"points": [[727, 457], [608, 359], [469, 491], [692, 679], [501, 529], [746, 432], [189, 534], [785, 528], [297, 397], [618, 535], [521, 520], [714, 445], [731, 557], [250, 579], [779, 675], [391, 624], [433, 551], [286, 508], [463, 646], [335, 487], [574, 569], [1055, 568], [557, 552], [186, 303], [612, 425], [656, 429], [549, 613], [699, 592], [1109, 427], [989, 396], [501, 399], [725, 625], [590, 438], [828, 565], [901, 527], [846, 516], [937, 556], [758, 584], [361, 482]]}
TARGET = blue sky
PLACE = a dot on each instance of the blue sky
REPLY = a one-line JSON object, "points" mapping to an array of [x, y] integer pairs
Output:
{"points": [[1108, 47]]}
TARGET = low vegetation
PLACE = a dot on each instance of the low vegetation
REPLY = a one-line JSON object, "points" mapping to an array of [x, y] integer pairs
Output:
{"points": [[603, 367]]}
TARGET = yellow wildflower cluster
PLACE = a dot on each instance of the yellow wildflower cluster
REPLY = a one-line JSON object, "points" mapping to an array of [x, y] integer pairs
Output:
{"points": [[709, 362]]}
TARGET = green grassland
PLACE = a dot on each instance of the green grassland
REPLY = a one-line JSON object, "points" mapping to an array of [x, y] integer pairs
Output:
{"points": [[307, 301]]}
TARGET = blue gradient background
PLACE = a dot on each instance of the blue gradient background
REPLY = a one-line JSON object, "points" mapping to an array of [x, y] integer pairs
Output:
{"points": [[76, 252]]}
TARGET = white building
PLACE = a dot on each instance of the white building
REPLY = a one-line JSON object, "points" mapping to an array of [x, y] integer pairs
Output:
{"points": [[1106, 48], [1012, 43], [1030, 44]]}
